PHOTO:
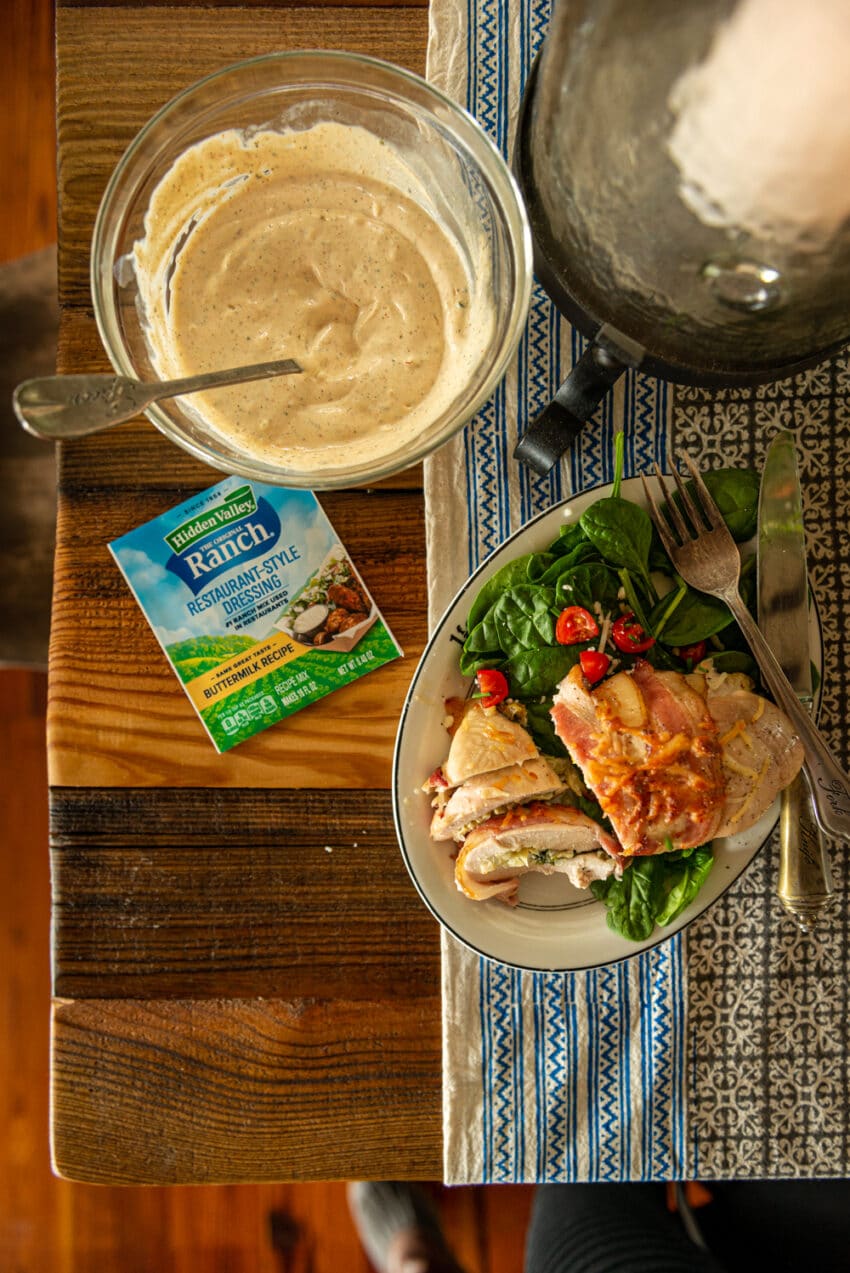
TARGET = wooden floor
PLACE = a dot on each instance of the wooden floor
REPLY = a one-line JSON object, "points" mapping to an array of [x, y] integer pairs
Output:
{"points": [[54, 1226]]}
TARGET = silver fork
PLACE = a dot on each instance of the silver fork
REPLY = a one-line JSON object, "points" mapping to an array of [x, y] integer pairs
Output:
{"points": [[708, 559]]}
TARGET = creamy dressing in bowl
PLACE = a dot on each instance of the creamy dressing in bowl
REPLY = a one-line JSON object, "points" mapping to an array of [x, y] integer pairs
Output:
{"points": [[317, 245]]}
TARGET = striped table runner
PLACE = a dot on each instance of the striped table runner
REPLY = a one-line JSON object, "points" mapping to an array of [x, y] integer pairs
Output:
{"points": [[722, 1052]]}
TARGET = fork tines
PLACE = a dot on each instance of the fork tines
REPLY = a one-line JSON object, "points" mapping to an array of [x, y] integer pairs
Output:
{"points": [[706, 516]]}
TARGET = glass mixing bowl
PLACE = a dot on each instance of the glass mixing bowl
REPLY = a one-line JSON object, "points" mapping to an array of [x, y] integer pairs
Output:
{"points": [[463, 183]]}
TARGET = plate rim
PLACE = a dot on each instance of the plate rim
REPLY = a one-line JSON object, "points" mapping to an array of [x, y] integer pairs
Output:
{"points": [[642, 947]]}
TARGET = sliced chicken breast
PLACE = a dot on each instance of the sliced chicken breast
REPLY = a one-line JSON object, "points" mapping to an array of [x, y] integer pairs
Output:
{"points": [[479, 797], [676, 759], [483, 741], [761, 754], [538, 837], [649, 750]]}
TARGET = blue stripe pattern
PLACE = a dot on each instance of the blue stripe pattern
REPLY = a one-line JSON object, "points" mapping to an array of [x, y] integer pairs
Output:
{"points": [[582, 1077]]}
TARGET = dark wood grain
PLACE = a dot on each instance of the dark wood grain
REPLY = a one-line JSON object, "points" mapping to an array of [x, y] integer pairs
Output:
{"points": [[247, 985], [234, 893], [55, 1223], [246, 4], [165, 1091]]}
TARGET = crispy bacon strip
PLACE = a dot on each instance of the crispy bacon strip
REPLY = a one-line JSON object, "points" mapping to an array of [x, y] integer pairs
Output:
{"points": [[649, 750]]}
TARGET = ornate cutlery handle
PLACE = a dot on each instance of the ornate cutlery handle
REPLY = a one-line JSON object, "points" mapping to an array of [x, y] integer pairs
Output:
{"points": [[61, 407], [805, 882]]}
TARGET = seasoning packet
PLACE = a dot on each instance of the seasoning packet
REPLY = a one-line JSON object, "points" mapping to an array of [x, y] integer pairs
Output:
{"points": [[256, 603]]}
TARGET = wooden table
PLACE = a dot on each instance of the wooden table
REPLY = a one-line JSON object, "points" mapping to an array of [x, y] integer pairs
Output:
{"points": [[246, 986]]}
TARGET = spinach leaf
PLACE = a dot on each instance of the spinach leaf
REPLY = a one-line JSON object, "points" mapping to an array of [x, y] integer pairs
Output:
{"points": [[582, 585], [736, 494], [470, 661], [631, 902], [532, 672], [582, 552], [683, 880], [539, 724], [659, 562], [697, 616], [621, 531], [538, 566], [570, 537], [653, 890], [694, 617], [522, 619], [484, 637], [513, 572]]}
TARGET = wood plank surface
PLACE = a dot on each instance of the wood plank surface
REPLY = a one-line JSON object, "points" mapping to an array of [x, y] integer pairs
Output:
{"points": [[51, 1225], [195, 893], [247, 985], [114, 700], [160, 1091], [152, 55], [108, 717]]}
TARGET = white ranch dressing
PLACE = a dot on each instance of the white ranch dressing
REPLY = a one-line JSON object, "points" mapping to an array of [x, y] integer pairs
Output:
{"points": [[311, 245]]}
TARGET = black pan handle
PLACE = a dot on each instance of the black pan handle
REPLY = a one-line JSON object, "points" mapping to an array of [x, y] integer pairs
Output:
{"points": [[559, 423]]}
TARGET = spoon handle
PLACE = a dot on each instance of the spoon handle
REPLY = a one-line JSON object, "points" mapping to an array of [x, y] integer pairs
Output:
{"points": [[58, 407]]}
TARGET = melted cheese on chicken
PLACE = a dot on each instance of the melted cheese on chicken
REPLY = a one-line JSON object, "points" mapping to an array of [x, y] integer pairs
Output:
{"points": [[675, 760], [483, 741], [650, 752]]}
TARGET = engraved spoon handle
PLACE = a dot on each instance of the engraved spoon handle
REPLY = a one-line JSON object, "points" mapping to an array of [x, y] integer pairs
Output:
{"points": [[57, 407]]}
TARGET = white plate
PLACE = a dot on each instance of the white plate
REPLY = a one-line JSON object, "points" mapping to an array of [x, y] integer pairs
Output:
{"points": [[555, 927]]}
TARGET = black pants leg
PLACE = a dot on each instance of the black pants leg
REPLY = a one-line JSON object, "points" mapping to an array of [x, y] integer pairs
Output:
{"points": [[609, 1228]]}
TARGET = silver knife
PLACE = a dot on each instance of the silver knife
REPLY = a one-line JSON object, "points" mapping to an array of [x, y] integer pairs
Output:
{"points": [[805, 883]]}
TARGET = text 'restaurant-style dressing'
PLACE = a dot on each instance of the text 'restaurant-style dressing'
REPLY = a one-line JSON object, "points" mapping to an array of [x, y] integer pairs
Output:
{"points": [[309, 245]]}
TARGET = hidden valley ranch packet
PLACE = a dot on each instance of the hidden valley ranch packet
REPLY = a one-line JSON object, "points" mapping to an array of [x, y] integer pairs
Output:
{"points": [[255, 603]]}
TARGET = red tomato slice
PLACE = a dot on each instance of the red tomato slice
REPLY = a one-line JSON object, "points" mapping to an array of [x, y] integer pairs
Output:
{"points": [[629, 636], [493, 686], [692, 654], [594, 664], [575, 624]]}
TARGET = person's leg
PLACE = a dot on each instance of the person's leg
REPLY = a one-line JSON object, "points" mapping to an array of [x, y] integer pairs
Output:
{"points": [[780, 1224], [609, 1228], [398, 1228]]}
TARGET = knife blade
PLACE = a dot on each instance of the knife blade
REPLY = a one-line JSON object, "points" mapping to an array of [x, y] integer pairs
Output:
{"points": [[805, 883]]}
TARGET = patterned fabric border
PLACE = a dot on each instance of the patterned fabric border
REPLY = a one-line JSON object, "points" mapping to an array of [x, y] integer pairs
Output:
{"points": [[768, 1087], [722, 1053]]}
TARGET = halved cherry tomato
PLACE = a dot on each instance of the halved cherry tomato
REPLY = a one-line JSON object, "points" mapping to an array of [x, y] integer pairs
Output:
{"points": [[575, 624], [628, 635], [493, 686], [692, 654], [594, 664]]}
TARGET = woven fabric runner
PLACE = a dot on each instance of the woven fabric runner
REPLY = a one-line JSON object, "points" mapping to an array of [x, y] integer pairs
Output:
{"points": [[723, 1052]]}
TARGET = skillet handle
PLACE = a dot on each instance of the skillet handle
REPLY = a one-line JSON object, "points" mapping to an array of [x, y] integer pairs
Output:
{"points": [[559, 424]]}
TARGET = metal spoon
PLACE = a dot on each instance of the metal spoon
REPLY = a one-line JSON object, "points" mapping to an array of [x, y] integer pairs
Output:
{"points": [[57, 407]]}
